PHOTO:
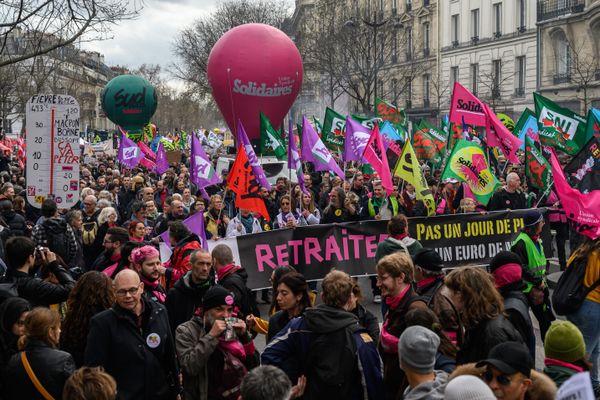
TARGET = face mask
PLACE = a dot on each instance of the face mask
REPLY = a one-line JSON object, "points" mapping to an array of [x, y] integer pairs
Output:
{"points": [[412, 196]]}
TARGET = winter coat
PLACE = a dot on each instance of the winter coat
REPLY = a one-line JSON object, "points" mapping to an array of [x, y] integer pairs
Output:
{"points": [[183, 300], [430, 390], [502, 200], [38, 291], [180, 263], [56, 226], [442, 307], [391, 245], [290, 350], [559, 374], [233, 223], [52, 367], [235, 282], [367, 320], [197, 352], [142, 360], [479, 340], [16, 223]]}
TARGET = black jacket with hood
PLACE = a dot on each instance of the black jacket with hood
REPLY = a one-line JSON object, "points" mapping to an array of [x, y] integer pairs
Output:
{"points": [[183, 300]]}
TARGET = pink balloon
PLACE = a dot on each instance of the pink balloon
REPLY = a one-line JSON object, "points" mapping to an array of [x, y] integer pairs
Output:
{"points": [[254, 68]]}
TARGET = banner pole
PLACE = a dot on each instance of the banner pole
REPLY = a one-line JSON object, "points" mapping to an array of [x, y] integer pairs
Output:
{"points": [[543, 195]]}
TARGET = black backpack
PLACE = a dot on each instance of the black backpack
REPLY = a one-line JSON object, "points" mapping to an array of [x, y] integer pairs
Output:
{"points": [[58, 241], [570, 290], [8, 290], [331, 365]]}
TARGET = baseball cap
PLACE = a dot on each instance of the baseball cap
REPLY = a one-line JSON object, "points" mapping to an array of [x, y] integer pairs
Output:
{"points": [[428, 259], [509, 358]]}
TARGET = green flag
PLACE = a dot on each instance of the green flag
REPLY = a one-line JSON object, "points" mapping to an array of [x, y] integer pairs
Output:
{"points": [[593, 124], [537, 169], [271, 142], [318, 125], [469, 164], [429, 143], [332, 132], [389, 112], [560, 124]]}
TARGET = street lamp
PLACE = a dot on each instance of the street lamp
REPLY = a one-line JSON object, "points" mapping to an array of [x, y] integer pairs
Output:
{"points": [[375, 25]]}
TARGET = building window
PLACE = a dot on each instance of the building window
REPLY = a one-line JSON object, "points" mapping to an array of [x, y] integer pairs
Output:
{"points": [[409, 43], [408, 93], [474, 78], [395, 49], [408, 5], [454, 26], [475, 23], [521, 7], [520, 76], [496, 78], [562, 54], [497, 20], [426, 90], [380, 88], [453, 76], [395, 89], [426, 39]]}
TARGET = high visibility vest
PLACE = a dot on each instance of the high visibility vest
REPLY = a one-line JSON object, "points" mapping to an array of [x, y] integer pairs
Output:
{"points": [[536, 260], [392, 200]]}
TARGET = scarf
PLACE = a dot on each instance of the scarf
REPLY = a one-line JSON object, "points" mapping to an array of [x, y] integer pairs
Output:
{"points": [[423, 283], [394, 302], [400, 236], [154, 287], [236, 348], [227, 270], [247, 222], [548, 362], [377, 202]]}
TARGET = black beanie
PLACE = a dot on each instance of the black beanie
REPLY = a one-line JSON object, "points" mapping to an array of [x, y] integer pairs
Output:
{"points": [[503, 258], [217, 296], [11, 310], [429, 260]]}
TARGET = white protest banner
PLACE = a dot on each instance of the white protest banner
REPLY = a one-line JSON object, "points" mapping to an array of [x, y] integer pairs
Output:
{"points": [[577, 387], [53, 153]]}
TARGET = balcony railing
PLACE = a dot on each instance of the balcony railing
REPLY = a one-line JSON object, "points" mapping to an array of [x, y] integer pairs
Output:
{"points": [[497, 35], [520, 92], [455, 43], [562, 78], [548, 9]]}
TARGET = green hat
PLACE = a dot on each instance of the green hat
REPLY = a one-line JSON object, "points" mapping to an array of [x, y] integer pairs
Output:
{"points": [[564, 342]]}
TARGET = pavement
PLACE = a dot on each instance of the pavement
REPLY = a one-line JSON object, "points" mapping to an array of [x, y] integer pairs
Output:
{"points": [[365, 285]]}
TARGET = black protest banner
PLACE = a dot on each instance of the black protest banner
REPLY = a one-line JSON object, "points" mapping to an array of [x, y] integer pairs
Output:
{"points": [[583, 172], [314, 250]]}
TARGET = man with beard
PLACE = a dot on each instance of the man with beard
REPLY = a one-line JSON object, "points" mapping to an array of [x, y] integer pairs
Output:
{"points": [[134, 344], [185, 299], [215, 351], [114, 239], [147, 262], [176, 213]]}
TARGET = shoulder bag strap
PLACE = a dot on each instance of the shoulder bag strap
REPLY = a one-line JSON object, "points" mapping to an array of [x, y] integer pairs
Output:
{"points": [[34, 379]]}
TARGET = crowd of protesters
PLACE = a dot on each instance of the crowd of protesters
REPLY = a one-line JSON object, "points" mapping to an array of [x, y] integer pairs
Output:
{"points": [[89, 310]]}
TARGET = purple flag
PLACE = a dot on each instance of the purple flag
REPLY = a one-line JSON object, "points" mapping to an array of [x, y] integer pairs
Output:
{"points": [[195, 223], [129, 154], [313, 150], [294, 162], [357, 137], [162, 165], [202, 172], [242, 139]]}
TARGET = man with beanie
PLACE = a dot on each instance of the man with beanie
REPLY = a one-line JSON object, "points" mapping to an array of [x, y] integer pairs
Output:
{"points": [[507, 272], [215, 351], [508, 370], [429, 284], [565, 352], [468, 387], [528, 246], [417, 349], [329, 347]]}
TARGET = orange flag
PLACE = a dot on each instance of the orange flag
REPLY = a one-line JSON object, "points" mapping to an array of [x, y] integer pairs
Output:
{"points": [[245, 185]]}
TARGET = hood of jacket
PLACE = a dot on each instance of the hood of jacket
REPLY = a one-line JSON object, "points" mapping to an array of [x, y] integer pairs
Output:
{"points": [[326, 319], [397, 244], [55, 225], [191, 238], [185, 286], [429, 390]]}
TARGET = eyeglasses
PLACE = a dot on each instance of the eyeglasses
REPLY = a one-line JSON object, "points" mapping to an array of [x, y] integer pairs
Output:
{"points": [[382, 277], [124, 292], [285, 203], [502, 379]]}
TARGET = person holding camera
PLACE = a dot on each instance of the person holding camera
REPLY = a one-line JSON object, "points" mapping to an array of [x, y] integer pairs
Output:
{"points": [[215, 351], [21, 257]]}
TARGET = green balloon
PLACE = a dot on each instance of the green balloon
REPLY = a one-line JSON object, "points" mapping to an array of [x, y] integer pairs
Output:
{"points": [[129, 101]]}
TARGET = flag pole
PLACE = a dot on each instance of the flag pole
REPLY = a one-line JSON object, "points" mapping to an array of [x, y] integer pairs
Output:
{"points": [[543, 195], [223, 204]]}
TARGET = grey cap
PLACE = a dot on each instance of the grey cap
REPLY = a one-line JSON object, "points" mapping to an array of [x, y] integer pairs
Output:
{"points": [[468, 387], [417, 349]]}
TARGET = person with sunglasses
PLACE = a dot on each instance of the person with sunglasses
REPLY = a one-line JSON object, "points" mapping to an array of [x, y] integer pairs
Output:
{"points": [[508, 370]]}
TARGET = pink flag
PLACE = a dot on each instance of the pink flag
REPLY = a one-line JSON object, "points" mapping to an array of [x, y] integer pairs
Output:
{"points": [[375, 155], [146, 162], [499, 136], [162, 165], [147, 151], [582, 209], [465, 105]]}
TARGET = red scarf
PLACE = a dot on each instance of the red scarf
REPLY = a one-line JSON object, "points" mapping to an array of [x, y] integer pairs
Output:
{"points": [[236, 348], [227, 270], [154, 286], [423, 283], [400, 236], [548, 362], [394, 302]]}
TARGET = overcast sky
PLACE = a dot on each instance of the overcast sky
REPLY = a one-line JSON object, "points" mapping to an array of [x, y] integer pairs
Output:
{"points": [[149, 38]]}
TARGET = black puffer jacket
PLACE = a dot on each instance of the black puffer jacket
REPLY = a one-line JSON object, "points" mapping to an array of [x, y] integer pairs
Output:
{"points": [[479, 340], [40, 292], [16, 223], [52, 367], [183, 300]]}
